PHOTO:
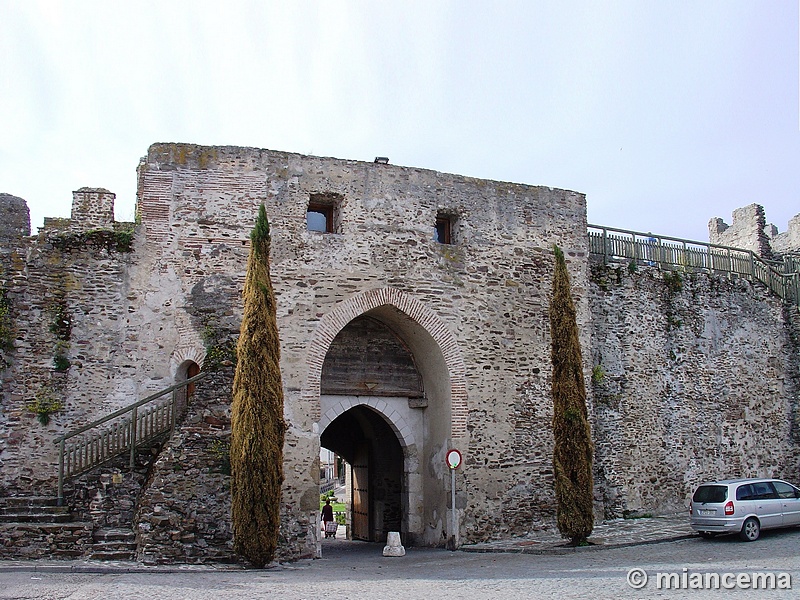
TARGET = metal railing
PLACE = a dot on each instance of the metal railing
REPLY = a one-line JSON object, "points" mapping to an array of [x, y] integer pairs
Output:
{"points": [[615, 245], [133, 426]]}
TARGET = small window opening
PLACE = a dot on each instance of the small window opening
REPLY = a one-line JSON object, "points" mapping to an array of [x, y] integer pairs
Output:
{"points": [[321, 213], [442, 233]]}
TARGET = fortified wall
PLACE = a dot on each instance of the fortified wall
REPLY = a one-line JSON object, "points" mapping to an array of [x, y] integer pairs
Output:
{"points": [[414, 320]]}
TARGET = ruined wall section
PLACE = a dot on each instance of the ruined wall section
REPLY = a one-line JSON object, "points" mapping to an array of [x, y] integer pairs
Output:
{"points": [[491, 288], [68, 289], [15, 227], [749, 230], [696, 378], [787, 241]]}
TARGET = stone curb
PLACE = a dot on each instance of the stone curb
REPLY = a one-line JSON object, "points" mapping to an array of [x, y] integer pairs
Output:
{"points": [[559, 549], [69, 567]]}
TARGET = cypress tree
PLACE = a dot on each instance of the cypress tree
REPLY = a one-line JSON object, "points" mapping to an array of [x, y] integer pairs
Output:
{"points": [[572, 451], [257, 425]]}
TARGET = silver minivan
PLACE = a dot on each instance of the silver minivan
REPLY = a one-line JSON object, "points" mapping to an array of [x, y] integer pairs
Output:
{"points": [[744, 506]]}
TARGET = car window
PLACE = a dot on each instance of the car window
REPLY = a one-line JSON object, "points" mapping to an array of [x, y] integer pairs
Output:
{"points": [[764, 491], [744, 492], [710, 493], [784, 489]]}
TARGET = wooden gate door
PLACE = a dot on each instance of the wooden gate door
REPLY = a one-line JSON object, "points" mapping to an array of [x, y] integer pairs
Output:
{"points": [[361, 493]]}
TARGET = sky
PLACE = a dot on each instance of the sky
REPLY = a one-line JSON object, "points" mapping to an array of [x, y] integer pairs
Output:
{"points": [[665, 114]]}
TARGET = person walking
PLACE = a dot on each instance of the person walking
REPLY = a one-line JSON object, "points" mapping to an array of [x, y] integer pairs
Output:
{"points": [[327, 517]]}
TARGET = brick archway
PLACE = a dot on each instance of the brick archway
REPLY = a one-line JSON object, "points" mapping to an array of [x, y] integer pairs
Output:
{"points": [[347, 310]]}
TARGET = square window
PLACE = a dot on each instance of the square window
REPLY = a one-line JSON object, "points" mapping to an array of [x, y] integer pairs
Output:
{"points": [[322, 212], [319, 217]]}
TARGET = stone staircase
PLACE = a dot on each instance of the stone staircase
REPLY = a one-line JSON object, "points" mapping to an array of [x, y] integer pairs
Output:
{"points": [[36, 527], [113, 544]]}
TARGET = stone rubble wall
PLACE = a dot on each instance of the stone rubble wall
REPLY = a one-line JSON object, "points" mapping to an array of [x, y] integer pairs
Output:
{"points": [[696, 378], [92, 208], [183, 514]]}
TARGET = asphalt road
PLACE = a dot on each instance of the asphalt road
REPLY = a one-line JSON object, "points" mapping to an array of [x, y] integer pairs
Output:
{"points": [[357, 570]]}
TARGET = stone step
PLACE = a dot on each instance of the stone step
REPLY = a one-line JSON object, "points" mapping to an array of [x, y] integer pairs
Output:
{"points": [[28, 501], [65, 553], [36, 517], [110, 534], [32, 510], [127, 555], [73, 526]]}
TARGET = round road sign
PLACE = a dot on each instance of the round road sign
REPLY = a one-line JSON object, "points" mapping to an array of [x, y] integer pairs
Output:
{"points": [[453, 458]]}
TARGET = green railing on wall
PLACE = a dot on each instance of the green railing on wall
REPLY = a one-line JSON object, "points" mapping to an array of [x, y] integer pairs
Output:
{"points": [[620, 245], [121, 432]]}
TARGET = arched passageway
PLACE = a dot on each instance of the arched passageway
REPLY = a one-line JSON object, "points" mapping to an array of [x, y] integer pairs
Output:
{"points": [[367, 443]]}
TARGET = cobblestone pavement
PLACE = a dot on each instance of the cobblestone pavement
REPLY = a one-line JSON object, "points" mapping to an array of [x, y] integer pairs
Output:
{"points": [[350, 570]]}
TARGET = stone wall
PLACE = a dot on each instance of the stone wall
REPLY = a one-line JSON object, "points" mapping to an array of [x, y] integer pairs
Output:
{"points": [[695, 378], [92, 208]]}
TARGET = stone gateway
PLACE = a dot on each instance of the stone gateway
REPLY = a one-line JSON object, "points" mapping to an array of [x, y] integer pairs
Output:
{"points": [[413, 318]]}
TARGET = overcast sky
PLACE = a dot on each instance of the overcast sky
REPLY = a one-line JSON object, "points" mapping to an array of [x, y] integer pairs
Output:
{"points": [[664, 114]]}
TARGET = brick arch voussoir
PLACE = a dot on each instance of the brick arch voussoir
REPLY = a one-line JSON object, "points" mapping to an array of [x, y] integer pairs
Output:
{"points": [[185, 353], [347, 310]]}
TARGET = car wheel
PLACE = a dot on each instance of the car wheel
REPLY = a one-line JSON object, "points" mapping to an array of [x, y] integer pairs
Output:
{"points": [[707, 535], [750, 530]]}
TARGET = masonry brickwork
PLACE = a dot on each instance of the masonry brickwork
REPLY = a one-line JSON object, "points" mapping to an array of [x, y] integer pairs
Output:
{"points": [[700, 379]]}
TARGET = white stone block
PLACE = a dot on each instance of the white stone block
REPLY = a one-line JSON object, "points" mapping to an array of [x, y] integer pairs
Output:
{"points": [[393, 546]]}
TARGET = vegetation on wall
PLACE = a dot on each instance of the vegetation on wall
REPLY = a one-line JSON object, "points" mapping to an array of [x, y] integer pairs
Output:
{"points": [[573, 450], [61, 327], [220, 349], [674, 282], [598, 374], [44, 404], [221, 451], [6, 331], [257, 426], [119, 239]]}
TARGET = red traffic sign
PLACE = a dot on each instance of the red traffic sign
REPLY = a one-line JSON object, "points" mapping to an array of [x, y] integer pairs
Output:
{"points": [[453, 458]]}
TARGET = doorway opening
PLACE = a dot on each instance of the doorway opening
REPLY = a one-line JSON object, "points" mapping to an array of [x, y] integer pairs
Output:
{"points": [[373, 460]]}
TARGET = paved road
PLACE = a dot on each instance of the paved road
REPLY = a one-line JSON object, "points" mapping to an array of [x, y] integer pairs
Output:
{"points": [[357, 570]]}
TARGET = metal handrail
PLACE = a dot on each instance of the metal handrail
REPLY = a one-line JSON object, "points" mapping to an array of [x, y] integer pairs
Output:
{"points": [[98, 448], [689, 254]]}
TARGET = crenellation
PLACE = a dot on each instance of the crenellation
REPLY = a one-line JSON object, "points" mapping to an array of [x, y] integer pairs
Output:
{"points": [[92, 208]]}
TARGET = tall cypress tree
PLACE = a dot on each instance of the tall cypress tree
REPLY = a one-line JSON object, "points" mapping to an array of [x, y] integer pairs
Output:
{"points": [[257, 425], [572, 452]]}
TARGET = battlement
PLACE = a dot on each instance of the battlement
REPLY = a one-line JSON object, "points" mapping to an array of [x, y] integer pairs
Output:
{"points": [[92, 208], [789, 240], [750, 231]]}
